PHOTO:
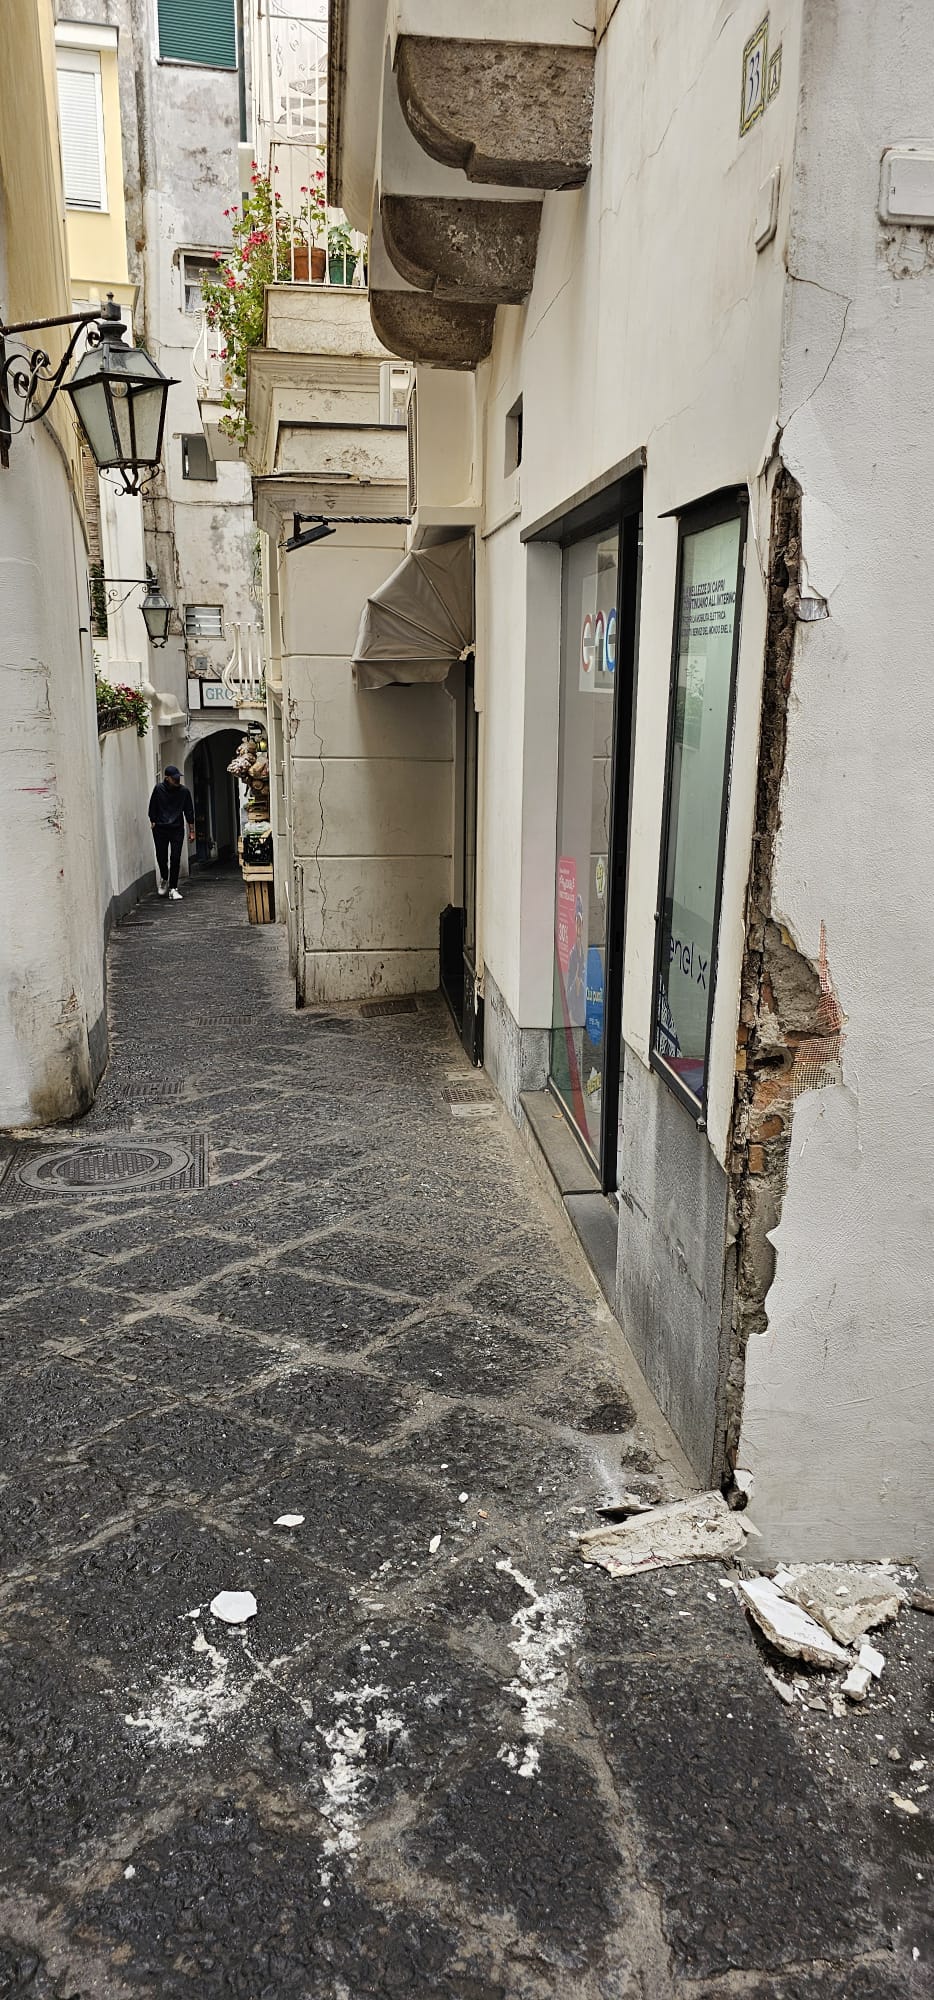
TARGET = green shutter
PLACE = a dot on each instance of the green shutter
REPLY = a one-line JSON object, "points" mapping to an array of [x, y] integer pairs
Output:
{"points": [[198, 31]]}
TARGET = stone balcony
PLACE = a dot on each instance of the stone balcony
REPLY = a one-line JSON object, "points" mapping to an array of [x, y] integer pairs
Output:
{"points": [[454, 142]]}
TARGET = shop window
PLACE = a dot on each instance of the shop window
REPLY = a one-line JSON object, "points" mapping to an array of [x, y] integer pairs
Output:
{"points": [[198, 33], [197, 462], [81, 119], [711, 547], [194, 272], [204, 621]]}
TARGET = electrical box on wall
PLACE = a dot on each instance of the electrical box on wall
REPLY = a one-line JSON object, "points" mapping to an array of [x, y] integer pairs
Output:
{"points": [[907, 193]]}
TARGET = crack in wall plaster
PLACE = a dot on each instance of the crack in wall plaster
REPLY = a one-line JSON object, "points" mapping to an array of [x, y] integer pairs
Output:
{"points": [[790, 1036]]}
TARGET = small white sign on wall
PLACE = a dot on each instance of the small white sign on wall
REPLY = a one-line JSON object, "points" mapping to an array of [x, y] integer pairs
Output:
{"points": [[215, 695]]}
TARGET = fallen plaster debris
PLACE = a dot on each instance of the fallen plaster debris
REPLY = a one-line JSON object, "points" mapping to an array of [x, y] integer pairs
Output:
{"points": [[872, 1660], [288, 1521], [684, 1531], [434, 1545], [787, 1627], [904, 1805], [782, 1689], [233, 1607], [921, 1600], [628, 1503], [546, 1630], [847, 1601], [857, 1683]]}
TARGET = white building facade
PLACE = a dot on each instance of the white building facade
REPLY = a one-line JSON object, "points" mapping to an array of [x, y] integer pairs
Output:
{"points": [[664, 276]]}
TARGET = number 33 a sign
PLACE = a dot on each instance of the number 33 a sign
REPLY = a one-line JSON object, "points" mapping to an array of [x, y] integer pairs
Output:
{"points": [[755, 63]]}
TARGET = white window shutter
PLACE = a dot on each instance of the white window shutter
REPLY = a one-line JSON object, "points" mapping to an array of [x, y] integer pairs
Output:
{"points": [[79, 97]]}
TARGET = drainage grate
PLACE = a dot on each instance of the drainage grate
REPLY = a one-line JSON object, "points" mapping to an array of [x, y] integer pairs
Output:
{"points": [[401, 1003], [467, 1093], [124, 1161], [226, 1020]]}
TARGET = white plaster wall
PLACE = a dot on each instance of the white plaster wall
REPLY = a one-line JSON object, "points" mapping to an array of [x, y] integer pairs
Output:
{"points": [[369, 798], [51, 969], [127, 855], [841, 1383], [652, 323]]}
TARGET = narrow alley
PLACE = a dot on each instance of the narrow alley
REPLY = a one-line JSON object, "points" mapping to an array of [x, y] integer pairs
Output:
{"points": [[298, 1265]]}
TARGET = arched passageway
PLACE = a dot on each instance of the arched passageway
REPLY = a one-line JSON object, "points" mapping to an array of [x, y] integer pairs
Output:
{"points": [[216, 797]]}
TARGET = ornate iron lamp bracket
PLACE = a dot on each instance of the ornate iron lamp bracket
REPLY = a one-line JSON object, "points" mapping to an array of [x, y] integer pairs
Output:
{"points": [[26, 377]]}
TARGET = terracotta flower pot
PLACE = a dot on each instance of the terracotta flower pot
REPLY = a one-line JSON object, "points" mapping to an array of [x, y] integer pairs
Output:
{"points": [[308, 264]]}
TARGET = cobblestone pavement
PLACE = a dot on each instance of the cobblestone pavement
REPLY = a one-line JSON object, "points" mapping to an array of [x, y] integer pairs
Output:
{"points": [[467, 1767]]}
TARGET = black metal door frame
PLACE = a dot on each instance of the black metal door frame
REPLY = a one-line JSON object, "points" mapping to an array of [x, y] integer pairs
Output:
{"points": [[624, 714]]}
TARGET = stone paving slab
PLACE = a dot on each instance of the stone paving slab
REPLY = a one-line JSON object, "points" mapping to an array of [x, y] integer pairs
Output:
{"points": [[445, 1759]]}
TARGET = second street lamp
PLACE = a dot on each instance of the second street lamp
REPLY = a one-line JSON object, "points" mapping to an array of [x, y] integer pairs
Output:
{"points": [[156, 611]]}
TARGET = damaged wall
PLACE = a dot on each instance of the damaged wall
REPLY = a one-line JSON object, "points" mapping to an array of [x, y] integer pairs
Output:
{"points": [[839, 1406]]}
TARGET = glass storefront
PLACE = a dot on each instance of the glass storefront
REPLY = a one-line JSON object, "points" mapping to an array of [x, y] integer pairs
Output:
{"points": [[700, 729], [589, 630]]}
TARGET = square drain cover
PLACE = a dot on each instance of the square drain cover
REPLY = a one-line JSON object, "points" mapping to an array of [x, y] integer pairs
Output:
{"points": [[119, 1163], [401, 1003], [467, 1093]]}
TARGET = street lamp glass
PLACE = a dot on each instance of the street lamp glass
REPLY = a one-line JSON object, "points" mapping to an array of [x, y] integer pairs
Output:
{"points": [[120, 398], [157, 611]]}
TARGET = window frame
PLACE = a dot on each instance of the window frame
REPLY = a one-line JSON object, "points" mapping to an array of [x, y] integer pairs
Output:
{"points": [[83, 61], [193, 62], [192, 631], [206, 262], [186, 439], [728, 504]]}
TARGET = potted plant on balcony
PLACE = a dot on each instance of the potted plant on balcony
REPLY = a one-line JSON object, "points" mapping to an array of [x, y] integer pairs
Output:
{"points": [[270, 246], [342, 256]]}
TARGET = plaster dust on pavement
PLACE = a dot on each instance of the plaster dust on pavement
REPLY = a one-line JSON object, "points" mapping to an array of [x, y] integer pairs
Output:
{"points": [[342, 1360]]}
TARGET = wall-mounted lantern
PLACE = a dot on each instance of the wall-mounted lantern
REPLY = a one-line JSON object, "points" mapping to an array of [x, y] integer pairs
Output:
{"points": [[119, 393], [156, 609]]}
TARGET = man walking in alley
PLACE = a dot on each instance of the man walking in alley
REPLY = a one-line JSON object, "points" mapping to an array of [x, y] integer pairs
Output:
{"points": [[170, 805]]}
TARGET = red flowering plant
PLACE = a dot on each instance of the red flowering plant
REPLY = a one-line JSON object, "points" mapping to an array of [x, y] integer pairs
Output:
{"points": [[265, 241], [120, 707]]}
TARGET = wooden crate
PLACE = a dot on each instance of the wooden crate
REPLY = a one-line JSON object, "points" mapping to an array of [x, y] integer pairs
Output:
{"points": [[260, 895]]}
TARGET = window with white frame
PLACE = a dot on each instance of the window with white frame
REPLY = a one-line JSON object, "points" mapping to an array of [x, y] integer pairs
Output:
{"points": [[81, 119], [194, 271], [204, 621]]}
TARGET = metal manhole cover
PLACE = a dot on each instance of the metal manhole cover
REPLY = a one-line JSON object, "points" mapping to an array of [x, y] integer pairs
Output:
{"points": [[467, 1093], [119, 1162], [401, 1003]]}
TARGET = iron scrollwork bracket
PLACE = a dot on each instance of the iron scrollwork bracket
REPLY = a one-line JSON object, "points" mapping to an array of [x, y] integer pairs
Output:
{"points": [[29, 383]]}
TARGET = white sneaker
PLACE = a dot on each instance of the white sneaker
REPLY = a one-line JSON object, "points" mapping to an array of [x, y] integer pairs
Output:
{"points": [[174, 896], [163, 888]]}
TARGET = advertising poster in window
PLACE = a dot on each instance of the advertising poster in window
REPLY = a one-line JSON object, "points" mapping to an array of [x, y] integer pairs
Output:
{"points": [[701, 722], [598, 626]]}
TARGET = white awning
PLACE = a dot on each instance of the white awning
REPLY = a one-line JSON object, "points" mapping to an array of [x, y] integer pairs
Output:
{"points": [[420, 622]]}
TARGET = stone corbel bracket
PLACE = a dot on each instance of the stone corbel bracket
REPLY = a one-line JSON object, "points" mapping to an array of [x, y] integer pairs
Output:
{"points": [[480, 252], [514, 114], [418, 327]]}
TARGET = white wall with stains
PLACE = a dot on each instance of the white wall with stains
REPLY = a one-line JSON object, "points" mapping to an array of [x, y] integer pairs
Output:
{"points": [[839, 1409]]}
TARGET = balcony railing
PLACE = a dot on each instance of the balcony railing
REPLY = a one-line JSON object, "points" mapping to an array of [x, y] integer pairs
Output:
{"points": [[290, 73]]}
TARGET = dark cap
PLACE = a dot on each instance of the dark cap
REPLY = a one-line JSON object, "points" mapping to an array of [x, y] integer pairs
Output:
{"points": [[172, 771]]}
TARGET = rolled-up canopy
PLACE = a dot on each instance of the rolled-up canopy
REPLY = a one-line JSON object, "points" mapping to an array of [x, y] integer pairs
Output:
{"points": [[420, 622]]}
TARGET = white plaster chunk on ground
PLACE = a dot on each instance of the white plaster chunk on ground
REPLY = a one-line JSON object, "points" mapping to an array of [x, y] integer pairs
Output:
{"points": [[788, 1628], [546, 1629], [692, 1530], [846, 1600]]}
